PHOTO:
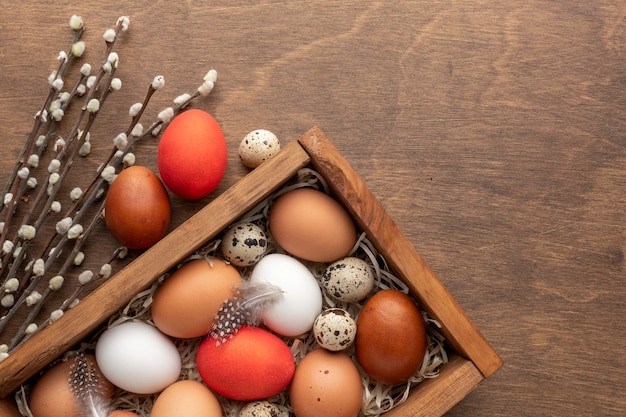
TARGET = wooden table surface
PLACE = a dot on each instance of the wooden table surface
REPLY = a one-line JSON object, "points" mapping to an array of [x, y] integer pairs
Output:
{"points": [[493, 132]]}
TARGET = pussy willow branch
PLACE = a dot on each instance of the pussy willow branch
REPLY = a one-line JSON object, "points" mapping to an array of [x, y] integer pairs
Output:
{"points": [[13, 180], [71, 148]]}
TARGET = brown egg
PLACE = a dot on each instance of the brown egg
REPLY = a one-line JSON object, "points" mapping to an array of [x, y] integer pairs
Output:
{"points": [[312, 225], [186, 398], [8, 408], [52, 396], [326, 384], [391, 337], [137, 208], [185, 304]]}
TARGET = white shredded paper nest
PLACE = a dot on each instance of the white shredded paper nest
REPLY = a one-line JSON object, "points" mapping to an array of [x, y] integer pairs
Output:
{"points": [[377, 398]]}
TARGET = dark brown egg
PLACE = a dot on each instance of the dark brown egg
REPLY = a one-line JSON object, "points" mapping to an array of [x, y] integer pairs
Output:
{"points": [[391, 337], [137, 208]]}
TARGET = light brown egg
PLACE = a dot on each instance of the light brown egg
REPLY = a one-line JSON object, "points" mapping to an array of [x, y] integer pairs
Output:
{"points": [[185, 304], [391, 337], [186, 398], [52, 396], [326, 384], [8, 408], [312, 225]]}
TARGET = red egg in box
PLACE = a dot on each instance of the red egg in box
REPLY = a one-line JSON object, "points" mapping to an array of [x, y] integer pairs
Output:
{"points": [[253, 364], [192, 155]]}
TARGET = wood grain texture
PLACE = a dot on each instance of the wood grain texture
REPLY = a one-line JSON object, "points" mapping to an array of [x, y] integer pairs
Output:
{"points": [[491, 131]]}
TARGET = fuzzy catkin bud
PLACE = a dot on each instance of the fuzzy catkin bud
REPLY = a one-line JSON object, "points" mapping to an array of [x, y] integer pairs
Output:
{"points": [[63, 225], [85, 149], [23, 173], [123, 22], [205, 88], [108, 173], [137, 130], [33, 298], [166, 115], [55, 315], [79, 258], [76, 22], [55, 206], [33, 161], [129, 159], [8, 197], [211, 76], [182, 99], [7, 301], [57, 84], [158, 82], [109, 35], [81, 89], [116, 84], [54, 166], [85, 277], [105, 271], [54, 178], [93, 106], [85, 69], [75, 231], [27, 232], [32, 328], [31, 182], [76, 193], [11, 285], [78, 48], [56, 282], [135, 109], [59, 144], [114, 59], [57, 115], [7, 246], [91, 81], [107, 67], [64, 97], [121, 141], [39, 267]]}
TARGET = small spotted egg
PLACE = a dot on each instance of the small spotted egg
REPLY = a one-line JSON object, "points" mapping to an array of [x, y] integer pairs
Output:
{"points": [[258, 146], [244, 244], [260, 409], [334, 329], [349, 279]]}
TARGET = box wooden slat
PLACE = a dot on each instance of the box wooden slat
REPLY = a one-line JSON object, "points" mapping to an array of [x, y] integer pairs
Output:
{"points": [[473, 358]]}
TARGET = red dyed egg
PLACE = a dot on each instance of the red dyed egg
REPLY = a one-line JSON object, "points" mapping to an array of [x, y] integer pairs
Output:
{"points": [[192, 154], [253, 365]]}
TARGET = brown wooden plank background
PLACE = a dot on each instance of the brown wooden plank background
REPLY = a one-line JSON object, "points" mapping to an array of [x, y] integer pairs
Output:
{"points": [[492, 132]]}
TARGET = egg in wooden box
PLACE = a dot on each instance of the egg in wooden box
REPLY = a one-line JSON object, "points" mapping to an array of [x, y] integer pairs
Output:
{"points": [[185, 304]]}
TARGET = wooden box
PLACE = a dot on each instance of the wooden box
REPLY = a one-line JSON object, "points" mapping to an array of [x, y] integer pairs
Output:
{"points": [[471, 361]]}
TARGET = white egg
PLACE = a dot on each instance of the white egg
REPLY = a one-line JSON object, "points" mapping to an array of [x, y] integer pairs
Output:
{"points": [[334, 329], [258, 146], [301, 301], [349, 279], [138, 358], [244, 244]]}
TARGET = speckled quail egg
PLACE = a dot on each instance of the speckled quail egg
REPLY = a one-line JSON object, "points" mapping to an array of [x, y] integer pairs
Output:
{"points": [[334, 329], [349, 279], [258, 146], [260, 409], [244, 244]]}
